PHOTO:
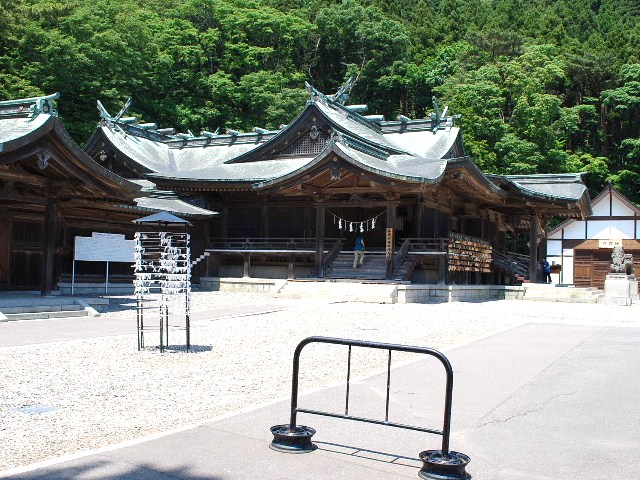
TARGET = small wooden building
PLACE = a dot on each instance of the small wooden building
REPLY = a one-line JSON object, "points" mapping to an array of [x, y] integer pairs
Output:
{"points": [[582, 248]]}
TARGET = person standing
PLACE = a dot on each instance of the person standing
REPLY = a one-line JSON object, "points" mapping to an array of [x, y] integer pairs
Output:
{"points": [[358, 252], [546, 269]]}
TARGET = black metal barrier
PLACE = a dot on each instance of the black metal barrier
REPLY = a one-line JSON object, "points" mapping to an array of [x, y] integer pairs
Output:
{"points": [[437, 464]]}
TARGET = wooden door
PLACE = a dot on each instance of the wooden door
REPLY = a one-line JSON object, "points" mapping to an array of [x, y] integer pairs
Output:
{"points": [[582, 268]]}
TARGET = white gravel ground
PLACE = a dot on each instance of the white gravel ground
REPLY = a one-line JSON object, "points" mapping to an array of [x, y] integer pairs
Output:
{"points": [[103, 391]]}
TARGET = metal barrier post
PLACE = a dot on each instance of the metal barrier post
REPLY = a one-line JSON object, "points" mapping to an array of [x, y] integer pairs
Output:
{"points": [[437, 464]]}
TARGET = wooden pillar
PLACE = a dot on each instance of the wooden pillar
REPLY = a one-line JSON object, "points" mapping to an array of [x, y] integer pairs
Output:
{"points": [[223, 223], [5, 249], [290, 269], [390, 238], [533, 248], [442, 263], [319, 239], [247, 265], [419, 211], [264, 221], [308, 213], [49, 244]]}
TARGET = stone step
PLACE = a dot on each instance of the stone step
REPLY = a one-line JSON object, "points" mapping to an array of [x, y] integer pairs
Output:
{"points": [[43, 315], [562, 299], [341, 291], [41, 308]]}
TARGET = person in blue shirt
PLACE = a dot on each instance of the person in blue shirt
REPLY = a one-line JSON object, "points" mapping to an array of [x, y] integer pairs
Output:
{"points": [[546, 268], [358, 252]]}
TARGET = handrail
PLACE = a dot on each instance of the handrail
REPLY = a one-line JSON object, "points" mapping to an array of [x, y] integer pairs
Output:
{"points": [[519, 256], [332, 254], [400, 254], [248, 243], [434, 244], [510, 263]]}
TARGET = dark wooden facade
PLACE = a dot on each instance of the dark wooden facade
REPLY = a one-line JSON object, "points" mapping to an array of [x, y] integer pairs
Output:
{"points": [[50, 192]]}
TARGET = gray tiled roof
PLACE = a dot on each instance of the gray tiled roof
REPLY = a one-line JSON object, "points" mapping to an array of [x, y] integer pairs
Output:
{"points": [[174, 205], [239, 172], [413, 151], [14, 128], [344, 120], [561, 186], [425, 144], [159, 158], [404, 167]]}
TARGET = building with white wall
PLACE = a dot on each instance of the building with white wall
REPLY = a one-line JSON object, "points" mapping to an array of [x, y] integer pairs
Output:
{"points": [[583, 248]]}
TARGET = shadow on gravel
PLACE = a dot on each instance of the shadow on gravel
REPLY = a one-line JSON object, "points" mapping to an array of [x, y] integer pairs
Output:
{"points": [[179, 349], [118, 304], [112, 471]]}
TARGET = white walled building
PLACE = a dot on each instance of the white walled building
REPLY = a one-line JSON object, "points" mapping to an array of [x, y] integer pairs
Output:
{"points": [[583, 247]]}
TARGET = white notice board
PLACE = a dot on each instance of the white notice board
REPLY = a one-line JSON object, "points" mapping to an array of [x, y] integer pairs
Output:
{"points": [[104, 247]]}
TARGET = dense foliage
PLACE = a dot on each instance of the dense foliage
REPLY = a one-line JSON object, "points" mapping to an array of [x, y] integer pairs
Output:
{"points": [[543, 86]]}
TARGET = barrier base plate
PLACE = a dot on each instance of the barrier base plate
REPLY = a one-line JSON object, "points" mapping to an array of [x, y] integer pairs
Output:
{"points": [[297, 440], [437, 466]]}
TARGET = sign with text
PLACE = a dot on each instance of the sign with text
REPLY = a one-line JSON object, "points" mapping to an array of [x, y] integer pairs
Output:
{"points": [[609, 243], [104, 247], [389, 244]]}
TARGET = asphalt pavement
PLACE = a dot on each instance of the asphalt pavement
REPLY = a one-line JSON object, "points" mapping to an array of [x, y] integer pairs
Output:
{"points": [[540, 401]]}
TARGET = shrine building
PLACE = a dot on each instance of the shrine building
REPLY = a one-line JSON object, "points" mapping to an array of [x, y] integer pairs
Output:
{"points": [[285, 203]]}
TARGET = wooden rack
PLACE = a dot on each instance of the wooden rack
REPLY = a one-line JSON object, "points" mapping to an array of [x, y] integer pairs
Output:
{"points": [[468, 254]]}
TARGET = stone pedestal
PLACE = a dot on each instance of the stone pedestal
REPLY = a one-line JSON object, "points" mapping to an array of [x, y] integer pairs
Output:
{"points": [[620, 289]]}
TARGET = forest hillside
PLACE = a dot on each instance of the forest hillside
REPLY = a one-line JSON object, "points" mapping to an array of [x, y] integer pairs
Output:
{"points": [[543, 86]]}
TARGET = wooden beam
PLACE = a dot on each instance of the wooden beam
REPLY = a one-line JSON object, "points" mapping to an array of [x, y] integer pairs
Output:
{"points": [[320, 223], [21, 154], [48, 247], [14, 176], [533, 248]]}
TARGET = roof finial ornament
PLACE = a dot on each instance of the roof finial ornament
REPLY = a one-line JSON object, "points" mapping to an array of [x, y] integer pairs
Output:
{"points": [[437, 113], [343, 93], [106, 116], [123, 110], [315, 93]]}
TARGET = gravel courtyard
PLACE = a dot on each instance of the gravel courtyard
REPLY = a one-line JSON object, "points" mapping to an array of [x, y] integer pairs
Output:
{"points": [[92, 393]]}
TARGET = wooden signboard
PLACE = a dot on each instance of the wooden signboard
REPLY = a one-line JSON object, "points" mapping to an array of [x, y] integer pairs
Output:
{"points": [[609, 243], [389, 244]]}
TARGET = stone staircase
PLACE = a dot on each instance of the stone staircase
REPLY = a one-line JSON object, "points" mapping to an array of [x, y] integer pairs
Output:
{"points": [[568, 294], [21, 307], [373, 268], [340, 291], [197, 260]]}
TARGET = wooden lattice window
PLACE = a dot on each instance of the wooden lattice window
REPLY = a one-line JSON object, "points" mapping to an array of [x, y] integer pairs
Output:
{"points": [[312, 142]]}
